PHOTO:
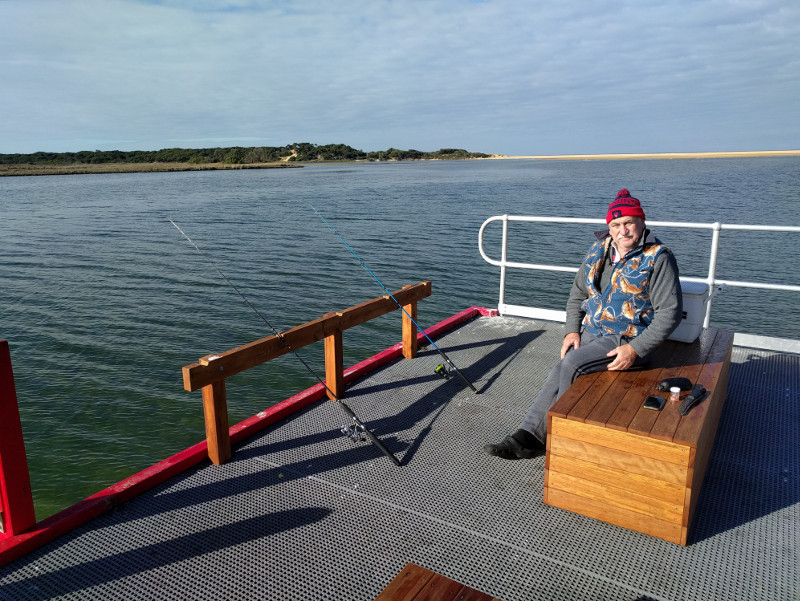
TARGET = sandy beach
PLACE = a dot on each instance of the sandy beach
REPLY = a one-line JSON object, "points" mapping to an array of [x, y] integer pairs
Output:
{"points": [[655, 155]]}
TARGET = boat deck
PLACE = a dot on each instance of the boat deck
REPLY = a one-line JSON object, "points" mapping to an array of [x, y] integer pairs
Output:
{"points": [[302, 512]]}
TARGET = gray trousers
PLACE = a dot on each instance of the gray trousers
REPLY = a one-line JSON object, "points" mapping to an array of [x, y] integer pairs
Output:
{"points": [[588, 358]]}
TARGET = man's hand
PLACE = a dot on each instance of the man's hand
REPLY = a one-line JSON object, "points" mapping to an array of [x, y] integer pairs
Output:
{"points": [[573, 339], [624, 356]]}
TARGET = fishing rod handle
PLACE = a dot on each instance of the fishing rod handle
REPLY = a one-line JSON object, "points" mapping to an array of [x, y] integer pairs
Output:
{"points": [[458, 371], [377, 442]]}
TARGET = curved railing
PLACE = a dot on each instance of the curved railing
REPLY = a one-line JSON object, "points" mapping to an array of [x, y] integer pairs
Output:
{"points": [[711, 279]]}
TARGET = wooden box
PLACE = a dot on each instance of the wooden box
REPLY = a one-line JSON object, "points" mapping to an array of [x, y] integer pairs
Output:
{"points": [[613, 460]]}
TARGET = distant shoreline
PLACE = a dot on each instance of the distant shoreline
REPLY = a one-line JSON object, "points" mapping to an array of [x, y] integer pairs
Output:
{"points": [[97, 168], [654, 155]]}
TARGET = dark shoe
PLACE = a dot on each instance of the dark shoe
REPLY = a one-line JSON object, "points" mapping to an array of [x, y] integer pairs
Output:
{"points": [[511, 448]]}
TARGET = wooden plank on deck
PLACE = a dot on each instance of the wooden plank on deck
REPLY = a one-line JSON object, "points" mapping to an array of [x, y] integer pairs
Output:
{"points": [[415, 583]]}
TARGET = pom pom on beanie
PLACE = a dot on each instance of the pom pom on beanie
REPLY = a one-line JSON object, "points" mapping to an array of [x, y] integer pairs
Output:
{"points": [[624, 205]]}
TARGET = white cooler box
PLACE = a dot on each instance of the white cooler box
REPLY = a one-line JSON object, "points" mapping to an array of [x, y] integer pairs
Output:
{"points": [[695, 297]]}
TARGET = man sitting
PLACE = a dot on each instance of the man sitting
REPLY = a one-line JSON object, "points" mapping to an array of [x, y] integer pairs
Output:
{"points": [[626, 298]]}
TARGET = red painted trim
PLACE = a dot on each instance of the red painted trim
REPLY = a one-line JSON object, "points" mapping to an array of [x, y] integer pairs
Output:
{"points": [[453, 321], [16, 499], [47, 530]]}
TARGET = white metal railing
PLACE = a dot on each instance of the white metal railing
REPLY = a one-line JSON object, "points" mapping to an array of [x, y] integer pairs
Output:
{"points": [[710, 279]]}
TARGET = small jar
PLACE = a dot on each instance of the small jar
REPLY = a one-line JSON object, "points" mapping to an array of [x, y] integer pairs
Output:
{"points": [[674, 394]]}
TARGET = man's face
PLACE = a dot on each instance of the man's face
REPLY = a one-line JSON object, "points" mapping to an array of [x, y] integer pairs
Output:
{"points": [[626, 232]]}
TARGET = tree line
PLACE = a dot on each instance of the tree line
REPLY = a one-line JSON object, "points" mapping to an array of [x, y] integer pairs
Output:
{"points": [[235, 155]]}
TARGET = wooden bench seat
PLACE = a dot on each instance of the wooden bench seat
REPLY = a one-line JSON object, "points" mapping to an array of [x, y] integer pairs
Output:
{"points": [[613, 460]]}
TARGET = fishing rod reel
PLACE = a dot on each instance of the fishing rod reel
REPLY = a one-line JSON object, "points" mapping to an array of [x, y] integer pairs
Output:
{"points": [[442, 371], [357, 432]]}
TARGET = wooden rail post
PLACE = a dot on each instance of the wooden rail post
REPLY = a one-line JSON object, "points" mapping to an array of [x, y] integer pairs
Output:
{"points": [[16, 500], [215, 409], [334, 365], [409, 330]]}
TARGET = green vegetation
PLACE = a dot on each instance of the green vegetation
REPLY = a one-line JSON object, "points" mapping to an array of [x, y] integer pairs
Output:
{"points": [[302, 152]]}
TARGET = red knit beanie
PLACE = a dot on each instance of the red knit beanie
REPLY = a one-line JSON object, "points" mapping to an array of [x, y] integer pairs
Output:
{"points": [[624, 205]]}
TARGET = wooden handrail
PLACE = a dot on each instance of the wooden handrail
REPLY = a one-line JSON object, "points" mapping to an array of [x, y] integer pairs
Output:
{"points": [[210, 372]]}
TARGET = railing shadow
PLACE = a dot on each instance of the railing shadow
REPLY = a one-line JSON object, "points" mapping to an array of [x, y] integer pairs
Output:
{"points": [[426, 408], [170, 550], [429, 406]]}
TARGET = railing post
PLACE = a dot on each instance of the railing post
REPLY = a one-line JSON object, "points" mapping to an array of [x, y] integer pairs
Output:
{"points": [[334, 365], [712, 270], [410, 330], [215, 409], [501, 301], [16, 500]]}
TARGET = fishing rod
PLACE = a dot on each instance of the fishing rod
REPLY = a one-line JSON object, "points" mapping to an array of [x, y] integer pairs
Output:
{"points": [[355, 431], [440, 370]]}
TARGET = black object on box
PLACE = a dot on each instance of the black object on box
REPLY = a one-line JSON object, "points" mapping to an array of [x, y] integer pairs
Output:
{"points": [[654, 402], [698, 394], [682, 383]]}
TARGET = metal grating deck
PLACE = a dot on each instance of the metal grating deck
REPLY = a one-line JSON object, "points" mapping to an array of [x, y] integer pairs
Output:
{"points": [[304, 513]]}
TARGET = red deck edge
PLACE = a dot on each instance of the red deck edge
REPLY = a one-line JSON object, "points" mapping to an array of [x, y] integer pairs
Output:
{"points": [[14, 547]]}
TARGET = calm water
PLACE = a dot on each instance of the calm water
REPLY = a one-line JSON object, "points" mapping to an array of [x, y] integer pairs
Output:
{"points": [[103, 300]]}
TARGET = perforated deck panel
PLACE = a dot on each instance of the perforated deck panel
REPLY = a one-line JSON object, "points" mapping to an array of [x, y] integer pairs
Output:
{"points": [[302, 512]]}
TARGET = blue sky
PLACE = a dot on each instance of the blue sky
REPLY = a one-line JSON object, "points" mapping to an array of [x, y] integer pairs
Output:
{"points": [[511, 77]]}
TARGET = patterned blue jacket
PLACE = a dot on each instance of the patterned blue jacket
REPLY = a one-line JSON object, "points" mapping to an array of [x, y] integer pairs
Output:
{"points": [[624, 306]]}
